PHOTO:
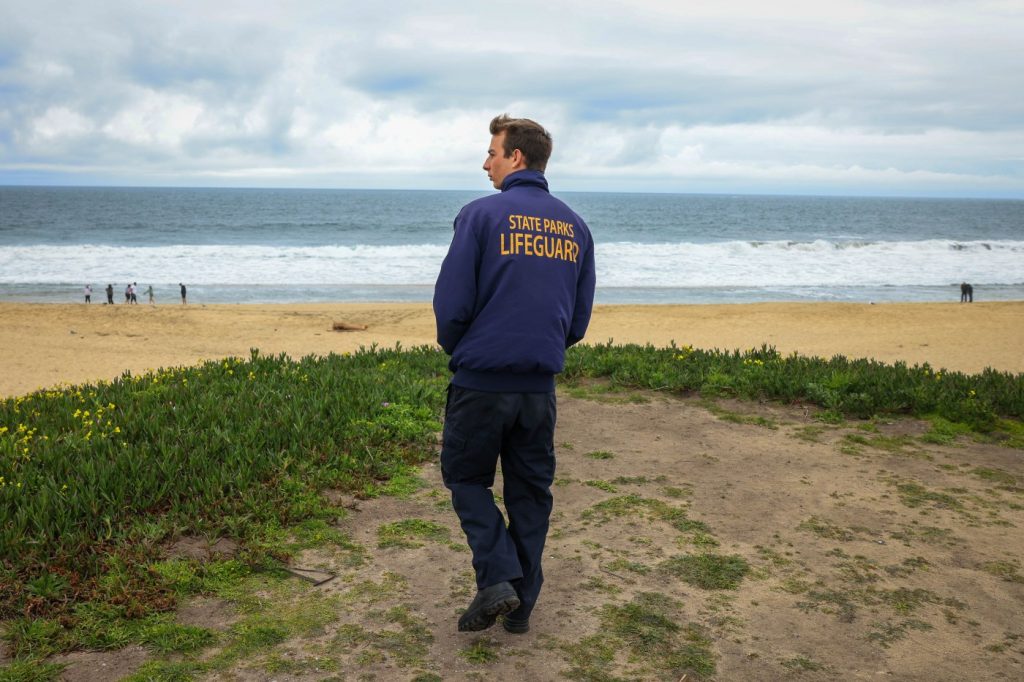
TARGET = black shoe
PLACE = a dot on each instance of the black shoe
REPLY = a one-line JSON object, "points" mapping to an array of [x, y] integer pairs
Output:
{"points": [[515, 626], [489, 603]]}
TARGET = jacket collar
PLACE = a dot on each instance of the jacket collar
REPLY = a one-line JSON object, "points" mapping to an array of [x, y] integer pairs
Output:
{"points": [[525, 178]]}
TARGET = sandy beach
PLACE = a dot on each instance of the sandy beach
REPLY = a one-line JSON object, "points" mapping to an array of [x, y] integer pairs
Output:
{"points": [[44, 345]]}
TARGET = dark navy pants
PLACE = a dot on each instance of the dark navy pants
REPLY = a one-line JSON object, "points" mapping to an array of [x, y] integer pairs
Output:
{"points": [[518, 428]]}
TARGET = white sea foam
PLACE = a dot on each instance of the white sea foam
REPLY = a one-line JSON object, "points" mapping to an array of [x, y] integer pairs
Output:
{"points": [[620, 264]]}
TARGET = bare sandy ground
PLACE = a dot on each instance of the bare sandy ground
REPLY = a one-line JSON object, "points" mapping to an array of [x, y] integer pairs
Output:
{"points": [[43, 345]]}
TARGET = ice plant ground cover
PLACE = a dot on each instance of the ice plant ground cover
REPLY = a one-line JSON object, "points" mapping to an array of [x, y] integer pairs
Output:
{"points": [[95, 479]]}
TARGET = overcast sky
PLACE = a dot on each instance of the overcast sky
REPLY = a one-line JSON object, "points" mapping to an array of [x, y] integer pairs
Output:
{"points": [[822, 97]]}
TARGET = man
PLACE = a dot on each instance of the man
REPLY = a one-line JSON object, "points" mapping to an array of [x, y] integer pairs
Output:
{"points": [[88, 293], [966, 293], [183, 292], [110, 294], [515, 290]]}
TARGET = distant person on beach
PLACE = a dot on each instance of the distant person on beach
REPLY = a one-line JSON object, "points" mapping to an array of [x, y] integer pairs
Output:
{"points": [[182, 292], [515, 290], [110, 294], [135, 289], [128, 292], [88, 293], [966, 293], [149, 292]]}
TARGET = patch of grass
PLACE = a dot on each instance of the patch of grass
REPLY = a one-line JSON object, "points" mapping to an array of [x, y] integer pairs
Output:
{"points": [[630, 480], [101, 627], [810, 433], [701, 539], [591, 658], [408, 533], [646, 628], [675, 493], [651, 643], [795, 585], [842, 387], [835, 602], [277, 663], [1010, 432], [858, 570], [637, 507], [932, 535], [605, 392], [600, 454], [890, 443], [162, 459], [168, 637], [1006, 570], [997, 476], [915, 495], [905, 600], [402, 483], [596, 584], [31, 671], [801, 664], [407, 646], [626, 565], [708, 571], [827, 530], [737, 418], [481, 651], [887, 633], [602, 485], [166, 671], [943, 431], [908, 567], [370, 592]]}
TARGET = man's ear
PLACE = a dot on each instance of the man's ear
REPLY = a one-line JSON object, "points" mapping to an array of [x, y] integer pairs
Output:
{"points": [[518, 158]]}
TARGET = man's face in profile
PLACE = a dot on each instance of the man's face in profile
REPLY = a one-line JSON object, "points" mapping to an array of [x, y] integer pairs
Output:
{"points": [[497, 164]]}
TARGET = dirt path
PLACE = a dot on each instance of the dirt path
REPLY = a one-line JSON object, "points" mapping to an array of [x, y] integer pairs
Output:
{"points": [[858, 552]]}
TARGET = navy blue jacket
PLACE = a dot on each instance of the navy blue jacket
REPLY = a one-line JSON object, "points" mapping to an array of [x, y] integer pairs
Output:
{"points": [[516, 288]]}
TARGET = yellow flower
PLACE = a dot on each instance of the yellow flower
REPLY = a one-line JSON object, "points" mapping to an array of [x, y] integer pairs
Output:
{"points": [[117, 429]]}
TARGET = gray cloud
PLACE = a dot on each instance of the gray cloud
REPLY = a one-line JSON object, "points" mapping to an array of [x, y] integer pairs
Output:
{"points": [[794, 97]]}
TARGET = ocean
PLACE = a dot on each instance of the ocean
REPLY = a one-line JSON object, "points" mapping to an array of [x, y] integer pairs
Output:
{"points": [[290, 245]]}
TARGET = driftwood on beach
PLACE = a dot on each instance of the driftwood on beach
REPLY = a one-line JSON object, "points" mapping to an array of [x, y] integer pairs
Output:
{"points": [[346, 327]]}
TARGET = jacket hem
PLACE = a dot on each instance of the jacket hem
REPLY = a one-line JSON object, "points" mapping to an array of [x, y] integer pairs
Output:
{"points": [[504, 382]]}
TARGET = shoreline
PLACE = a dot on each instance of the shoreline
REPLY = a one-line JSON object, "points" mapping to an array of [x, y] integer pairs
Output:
{"points": [[44, 345]]}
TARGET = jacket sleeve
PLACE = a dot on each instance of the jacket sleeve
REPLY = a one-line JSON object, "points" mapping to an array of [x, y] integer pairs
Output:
{"points": [[584, 298], [455, 290]]}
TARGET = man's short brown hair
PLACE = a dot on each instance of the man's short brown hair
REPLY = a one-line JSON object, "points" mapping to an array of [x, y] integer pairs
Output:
{"points": [[527, 136]]}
